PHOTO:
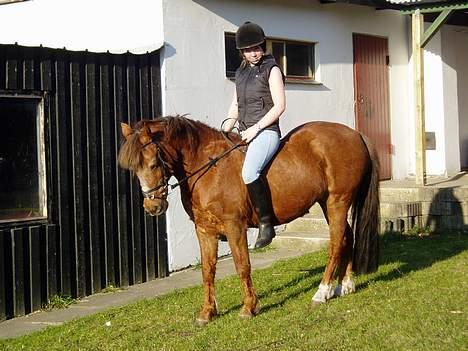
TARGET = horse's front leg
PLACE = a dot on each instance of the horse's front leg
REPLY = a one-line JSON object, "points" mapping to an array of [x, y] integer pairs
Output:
{"points": [[209, 256], [237, 238]]}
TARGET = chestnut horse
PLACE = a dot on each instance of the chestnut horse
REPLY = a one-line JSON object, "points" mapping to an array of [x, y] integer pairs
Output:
{"points": [[322, 162]]}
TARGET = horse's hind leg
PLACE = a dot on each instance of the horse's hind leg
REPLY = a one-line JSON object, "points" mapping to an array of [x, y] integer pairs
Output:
{"points": [[336, 211], [209, 257], [345, 271], [237, 239]]}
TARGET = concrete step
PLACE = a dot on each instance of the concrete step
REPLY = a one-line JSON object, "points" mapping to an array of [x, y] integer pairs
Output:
{"points": [[304, 241], [424, 194], [403, 207], [308, 224], [316, 211]]}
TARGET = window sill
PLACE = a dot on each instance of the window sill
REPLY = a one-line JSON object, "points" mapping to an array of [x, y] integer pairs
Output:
{"points": [[291, 81], [302, 81], [22, 222]]}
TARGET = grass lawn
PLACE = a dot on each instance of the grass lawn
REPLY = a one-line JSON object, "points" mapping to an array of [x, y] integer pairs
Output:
{"points": [[416, 301]]}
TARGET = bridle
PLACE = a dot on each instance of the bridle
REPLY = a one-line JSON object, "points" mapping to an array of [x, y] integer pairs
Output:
{"points": [[164, 183]]}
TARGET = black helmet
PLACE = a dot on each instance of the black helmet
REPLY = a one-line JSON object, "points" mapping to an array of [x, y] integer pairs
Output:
{"points": [[249, 35]]}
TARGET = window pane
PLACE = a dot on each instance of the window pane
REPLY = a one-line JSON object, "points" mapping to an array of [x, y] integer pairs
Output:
{"points": [[232, 55], [278, 53], [298, 60], [19, 164]]}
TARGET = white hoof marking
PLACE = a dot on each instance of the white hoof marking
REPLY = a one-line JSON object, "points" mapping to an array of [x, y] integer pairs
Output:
{"points": [[324, 293], [345, 288]]}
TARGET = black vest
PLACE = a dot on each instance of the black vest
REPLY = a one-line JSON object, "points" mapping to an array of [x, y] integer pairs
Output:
{"points": [[253, 93]]}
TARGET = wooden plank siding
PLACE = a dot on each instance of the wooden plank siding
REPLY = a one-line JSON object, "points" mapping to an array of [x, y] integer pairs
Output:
{"points": [[96, 233]]}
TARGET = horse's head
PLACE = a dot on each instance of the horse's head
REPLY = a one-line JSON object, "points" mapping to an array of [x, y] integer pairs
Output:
{"points": [[142, 154]]}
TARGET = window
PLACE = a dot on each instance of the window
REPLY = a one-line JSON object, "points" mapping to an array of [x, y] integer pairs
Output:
{"points": [[233, 59], [296, 59], [22, 159]]}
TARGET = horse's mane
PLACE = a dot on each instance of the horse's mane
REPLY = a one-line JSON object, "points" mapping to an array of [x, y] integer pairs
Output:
{"points": [[179, 130]]}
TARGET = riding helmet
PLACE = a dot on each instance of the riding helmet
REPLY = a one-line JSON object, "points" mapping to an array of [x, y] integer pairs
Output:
{"points": [[249, 35]]}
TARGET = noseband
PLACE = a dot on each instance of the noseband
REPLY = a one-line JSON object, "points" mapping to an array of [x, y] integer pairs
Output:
{"points": [[164, 183]]}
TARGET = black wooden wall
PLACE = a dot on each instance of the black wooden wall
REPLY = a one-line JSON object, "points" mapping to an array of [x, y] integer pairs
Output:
{"points": [[96, 233]]}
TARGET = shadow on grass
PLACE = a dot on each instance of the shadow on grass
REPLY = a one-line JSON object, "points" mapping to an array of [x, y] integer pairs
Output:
{"points": [[415, 253], [302, 275], [411, 252]]}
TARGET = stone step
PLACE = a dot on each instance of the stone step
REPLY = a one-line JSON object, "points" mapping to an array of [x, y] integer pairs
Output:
{"points": [[316, 211], [412, 206], [304, 241], [308, 224], [426, 194]]}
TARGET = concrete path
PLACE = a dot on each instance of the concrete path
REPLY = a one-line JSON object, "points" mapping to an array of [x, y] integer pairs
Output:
{"points": [[100, 302]]}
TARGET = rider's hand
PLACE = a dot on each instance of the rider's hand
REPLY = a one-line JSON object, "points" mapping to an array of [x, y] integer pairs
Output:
{"points": [[250, 133]]}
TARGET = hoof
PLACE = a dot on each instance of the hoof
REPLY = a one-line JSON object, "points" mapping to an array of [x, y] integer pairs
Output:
{"points": [[244, 314], [205, 317], [346, 288], [324, 293]]}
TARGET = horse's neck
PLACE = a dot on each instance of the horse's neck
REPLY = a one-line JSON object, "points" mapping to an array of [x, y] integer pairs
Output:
{"points": [[184, 158], [190, 158]]}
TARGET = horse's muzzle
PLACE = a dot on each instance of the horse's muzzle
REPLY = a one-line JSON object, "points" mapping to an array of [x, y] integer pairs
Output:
{"points": [[155, 207]]}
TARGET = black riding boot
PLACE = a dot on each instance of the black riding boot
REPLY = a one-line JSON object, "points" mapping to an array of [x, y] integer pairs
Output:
{"points": [[258, 194]]}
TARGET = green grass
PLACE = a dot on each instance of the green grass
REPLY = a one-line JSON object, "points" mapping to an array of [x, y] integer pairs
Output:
{"points": [[416, 301], [59, 302]]}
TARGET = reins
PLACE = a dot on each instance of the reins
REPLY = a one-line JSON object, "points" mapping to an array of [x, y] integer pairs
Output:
{"points": [[169, 187]]}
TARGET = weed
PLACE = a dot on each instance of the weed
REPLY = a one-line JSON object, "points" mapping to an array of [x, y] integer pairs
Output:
{"points": [[59, 302], [111, 289]]}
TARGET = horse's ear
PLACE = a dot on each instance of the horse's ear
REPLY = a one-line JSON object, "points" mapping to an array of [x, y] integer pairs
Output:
{"points": [[126, 130]]}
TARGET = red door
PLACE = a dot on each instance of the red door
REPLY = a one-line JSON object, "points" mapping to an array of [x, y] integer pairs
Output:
{"points": [[371, 97]]}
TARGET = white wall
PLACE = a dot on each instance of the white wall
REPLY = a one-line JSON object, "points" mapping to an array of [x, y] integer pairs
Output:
{"points": [[195, 83], [461, 45], [451, 97], [434, 104], [116, 26], [446, 94]]}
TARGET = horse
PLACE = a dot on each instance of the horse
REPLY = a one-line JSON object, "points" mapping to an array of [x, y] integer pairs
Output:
{"points": [[322, 162]]}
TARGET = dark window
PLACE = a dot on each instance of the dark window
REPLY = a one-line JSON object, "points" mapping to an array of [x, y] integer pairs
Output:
{"points": [[233, 59], [277, 50], [298, 56], [296, 59], [22, 179]]}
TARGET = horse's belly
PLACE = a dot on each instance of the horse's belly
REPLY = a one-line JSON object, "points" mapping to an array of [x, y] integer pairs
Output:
{"points": [[293, 193]]}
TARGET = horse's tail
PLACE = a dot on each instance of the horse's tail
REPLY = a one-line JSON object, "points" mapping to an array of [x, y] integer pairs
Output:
{"points": [[365, 217]]}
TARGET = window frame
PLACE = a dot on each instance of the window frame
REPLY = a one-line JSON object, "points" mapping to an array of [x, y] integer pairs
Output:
{"points": [[41, 157], [312, 59]]}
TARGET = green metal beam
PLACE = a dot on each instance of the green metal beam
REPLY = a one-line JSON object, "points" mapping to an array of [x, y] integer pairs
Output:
{"points": [[434, 27], [438, 7]]}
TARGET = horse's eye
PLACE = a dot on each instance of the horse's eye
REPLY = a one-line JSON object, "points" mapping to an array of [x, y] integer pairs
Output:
{"points": [[153, 166]]}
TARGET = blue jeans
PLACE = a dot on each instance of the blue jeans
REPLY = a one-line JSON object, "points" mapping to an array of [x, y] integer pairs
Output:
{"points": [[260, 151]]}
